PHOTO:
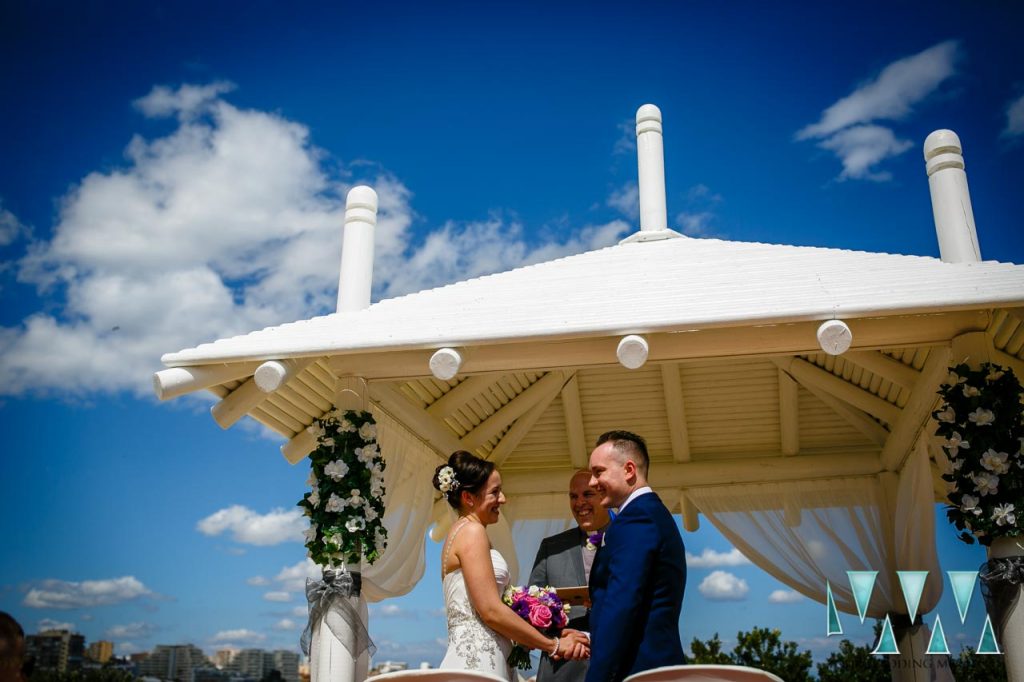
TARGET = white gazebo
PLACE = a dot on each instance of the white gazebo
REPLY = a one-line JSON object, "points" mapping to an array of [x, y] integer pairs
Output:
{"points": [[812, 463]]}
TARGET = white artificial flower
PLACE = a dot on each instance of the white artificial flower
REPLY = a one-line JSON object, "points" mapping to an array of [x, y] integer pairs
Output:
{"points": [[956, 463], [373, 449], [1003, 515], [337, 470], [311, 481], [982, 417], [311, 533], [355, 497], [368, 431], [369, 512], [315, 430], [971, 391], [376, 488], [996, 462], [994, 375], [346, 426], [336, 504], [947, 415], [355, 525], [969, 503], [955, 442], [334, 540], [985, 484], [314, 497]]}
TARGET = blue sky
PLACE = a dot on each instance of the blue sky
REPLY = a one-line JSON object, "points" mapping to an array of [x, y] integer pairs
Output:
{"points": [[175, 172]]}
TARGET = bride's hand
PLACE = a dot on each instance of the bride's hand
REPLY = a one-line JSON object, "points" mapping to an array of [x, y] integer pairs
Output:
{"points": [[573, 645]]}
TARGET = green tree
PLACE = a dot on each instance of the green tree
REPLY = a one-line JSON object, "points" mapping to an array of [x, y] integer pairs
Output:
{"points": [[853, 664], [709, 652], [764, 649], [970, 667]]}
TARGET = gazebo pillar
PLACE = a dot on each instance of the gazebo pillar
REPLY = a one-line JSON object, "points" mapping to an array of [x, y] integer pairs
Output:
{"points": [[332, 655]]}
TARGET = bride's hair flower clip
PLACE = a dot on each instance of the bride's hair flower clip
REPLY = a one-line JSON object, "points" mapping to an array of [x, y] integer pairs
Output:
{"points": [[446, 480]]}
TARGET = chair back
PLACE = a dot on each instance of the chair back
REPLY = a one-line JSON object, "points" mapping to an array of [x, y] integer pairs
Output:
{"points": [[704, 673]]}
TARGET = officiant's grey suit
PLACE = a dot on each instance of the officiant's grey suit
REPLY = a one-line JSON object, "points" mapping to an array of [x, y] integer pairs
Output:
{"points": [[559, 563]]}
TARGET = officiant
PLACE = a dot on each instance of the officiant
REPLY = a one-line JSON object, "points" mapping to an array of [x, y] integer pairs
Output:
{"points": [[564, 560]]}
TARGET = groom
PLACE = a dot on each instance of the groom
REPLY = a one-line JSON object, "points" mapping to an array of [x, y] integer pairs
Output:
{"points": [[638, 577]]}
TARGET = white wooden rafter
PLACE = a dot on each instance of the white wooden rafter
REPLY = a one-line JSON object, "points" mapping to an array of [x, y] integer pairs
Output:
{"points": [[884, 366], [858, 419], [675, 411], [681, 475], [178, 381], [460, 394], [521, 427], [808, 373], [544, 388], [572, 410], [789, 414], [918, 409]]}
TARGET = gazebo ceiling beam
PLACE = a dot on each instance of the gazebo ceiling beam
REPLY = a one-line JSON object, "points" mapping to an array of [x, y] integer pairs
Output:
{"points": [[415, 418], [858, 419], [810, 374], [459, 395], [541, 391], [789, 414], [178, 381], [754, 341], [884, 366], [1007, 360], [675, 411], [514, 436], [918, 409], [724, 472], [572, 411]]}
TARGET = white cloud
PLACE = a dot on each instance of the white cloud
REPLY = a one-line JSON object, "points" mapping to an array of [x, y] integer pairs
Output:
{"points": [[240, 635], [709, 558], [862, 147], [257, 581], [251, 528], [1014, 118], [301, 611], [846, 128], [785, 597], [125, 648], [11, 229], [130, 631], [626, 200], [285, 624], [389, 611], [892, 94], [626, 142], [695, 224], [277, 596], [293, 578], [60, 594], [51, 624], [723, 586], [230, 223]]}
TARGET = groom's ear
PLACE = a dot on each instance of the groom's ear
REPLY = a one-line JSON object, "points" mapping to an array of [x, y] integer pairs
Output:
{"points": [[630, 470]]}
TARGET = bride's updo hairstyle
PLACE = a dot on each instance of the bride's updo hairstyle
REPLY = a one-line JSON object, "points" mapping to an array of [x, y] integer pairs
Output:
{"points": [[464, 471]]}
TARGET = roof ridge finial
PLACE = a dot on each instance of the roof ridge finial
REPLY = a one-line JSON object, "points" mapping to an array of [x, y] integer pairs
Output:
{"points": [[356, 279], [650, 153], [951, 199]]}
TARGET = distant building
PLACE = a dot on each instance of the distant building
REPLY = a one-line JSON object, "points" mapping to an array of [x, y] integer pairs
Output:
{"points": [[100, 651], [57, 650], [258, 664], [223, 657], [287, 663], [173, 662], [388, 667]]}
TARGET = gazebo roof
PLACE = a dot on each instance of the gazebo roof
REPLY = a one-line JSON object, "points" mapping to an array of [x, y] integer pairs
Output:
{"points": [[677, 284]]}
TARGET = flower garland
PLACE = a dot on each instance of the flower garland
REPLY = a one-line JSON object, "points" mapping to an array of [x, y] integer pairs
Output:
{"points": [[346, 502], [981, 420]]}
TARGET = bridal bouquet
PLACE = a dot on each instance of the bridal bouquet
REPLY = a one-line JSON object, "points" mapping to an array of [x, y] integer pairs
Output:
{"points": [[542, 608]]}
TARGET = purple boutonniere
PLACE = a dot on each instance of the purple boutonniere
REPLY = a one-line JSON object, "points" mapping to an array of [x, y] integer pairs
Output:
{"points": [[595, 540]]}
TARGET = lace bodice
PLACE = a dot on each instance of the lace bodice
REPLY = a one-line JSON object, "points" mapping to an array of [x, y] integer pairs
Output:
{"points": [[471, 644]]}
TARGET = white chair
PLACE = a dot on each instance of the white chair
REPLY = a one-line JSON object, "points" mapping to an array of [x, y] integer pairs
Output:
{"points": [[704, 673], [436, 675]]}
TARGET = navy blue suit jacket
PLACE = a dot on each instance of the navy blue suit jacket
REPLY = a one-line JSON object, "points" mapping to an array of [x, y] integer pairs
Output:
{"points": [[636, 586]]}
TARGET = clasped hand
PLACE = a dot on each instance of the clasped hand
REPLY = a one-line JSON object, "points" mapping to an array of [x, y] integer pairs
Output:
{"points": [[573, 645]]}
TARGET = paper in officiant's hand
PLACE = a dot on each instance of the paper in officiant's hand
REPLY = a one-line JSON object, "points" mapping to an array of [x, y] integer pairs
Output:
{"points": [[576, 596]]}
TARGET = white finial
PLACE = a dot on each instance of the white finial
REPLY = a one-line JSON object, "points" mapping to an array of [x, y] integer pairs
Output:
{"points": [[445, 363], [356, 279], [834, 337], [650, 155], [632, 351], [951, 200]]}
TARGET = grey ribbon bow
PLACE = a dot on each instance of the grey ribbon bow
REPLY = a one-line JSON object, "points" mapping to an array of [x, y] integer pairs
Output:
{"points": [[329, 600], [1000, 585]]}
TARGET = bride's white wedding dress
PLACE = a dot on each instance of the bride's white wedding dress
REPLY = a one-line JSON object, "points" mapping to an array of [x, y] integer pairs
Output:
{"points": [[471, 644]]}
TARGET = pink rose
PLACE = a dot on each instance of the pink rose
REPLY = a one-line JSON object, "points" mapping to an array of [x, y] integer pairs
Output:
{"points": [[540, 616]]}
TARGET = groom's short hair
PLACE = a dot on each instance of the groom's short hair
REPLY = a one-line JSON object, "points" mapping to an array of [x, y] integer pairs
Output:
{"points": [[629, 445]]}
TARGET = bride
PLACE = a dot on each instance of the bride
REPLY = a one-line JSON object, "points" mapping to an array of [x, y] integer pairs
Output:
{"points": [[481, 627]]}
